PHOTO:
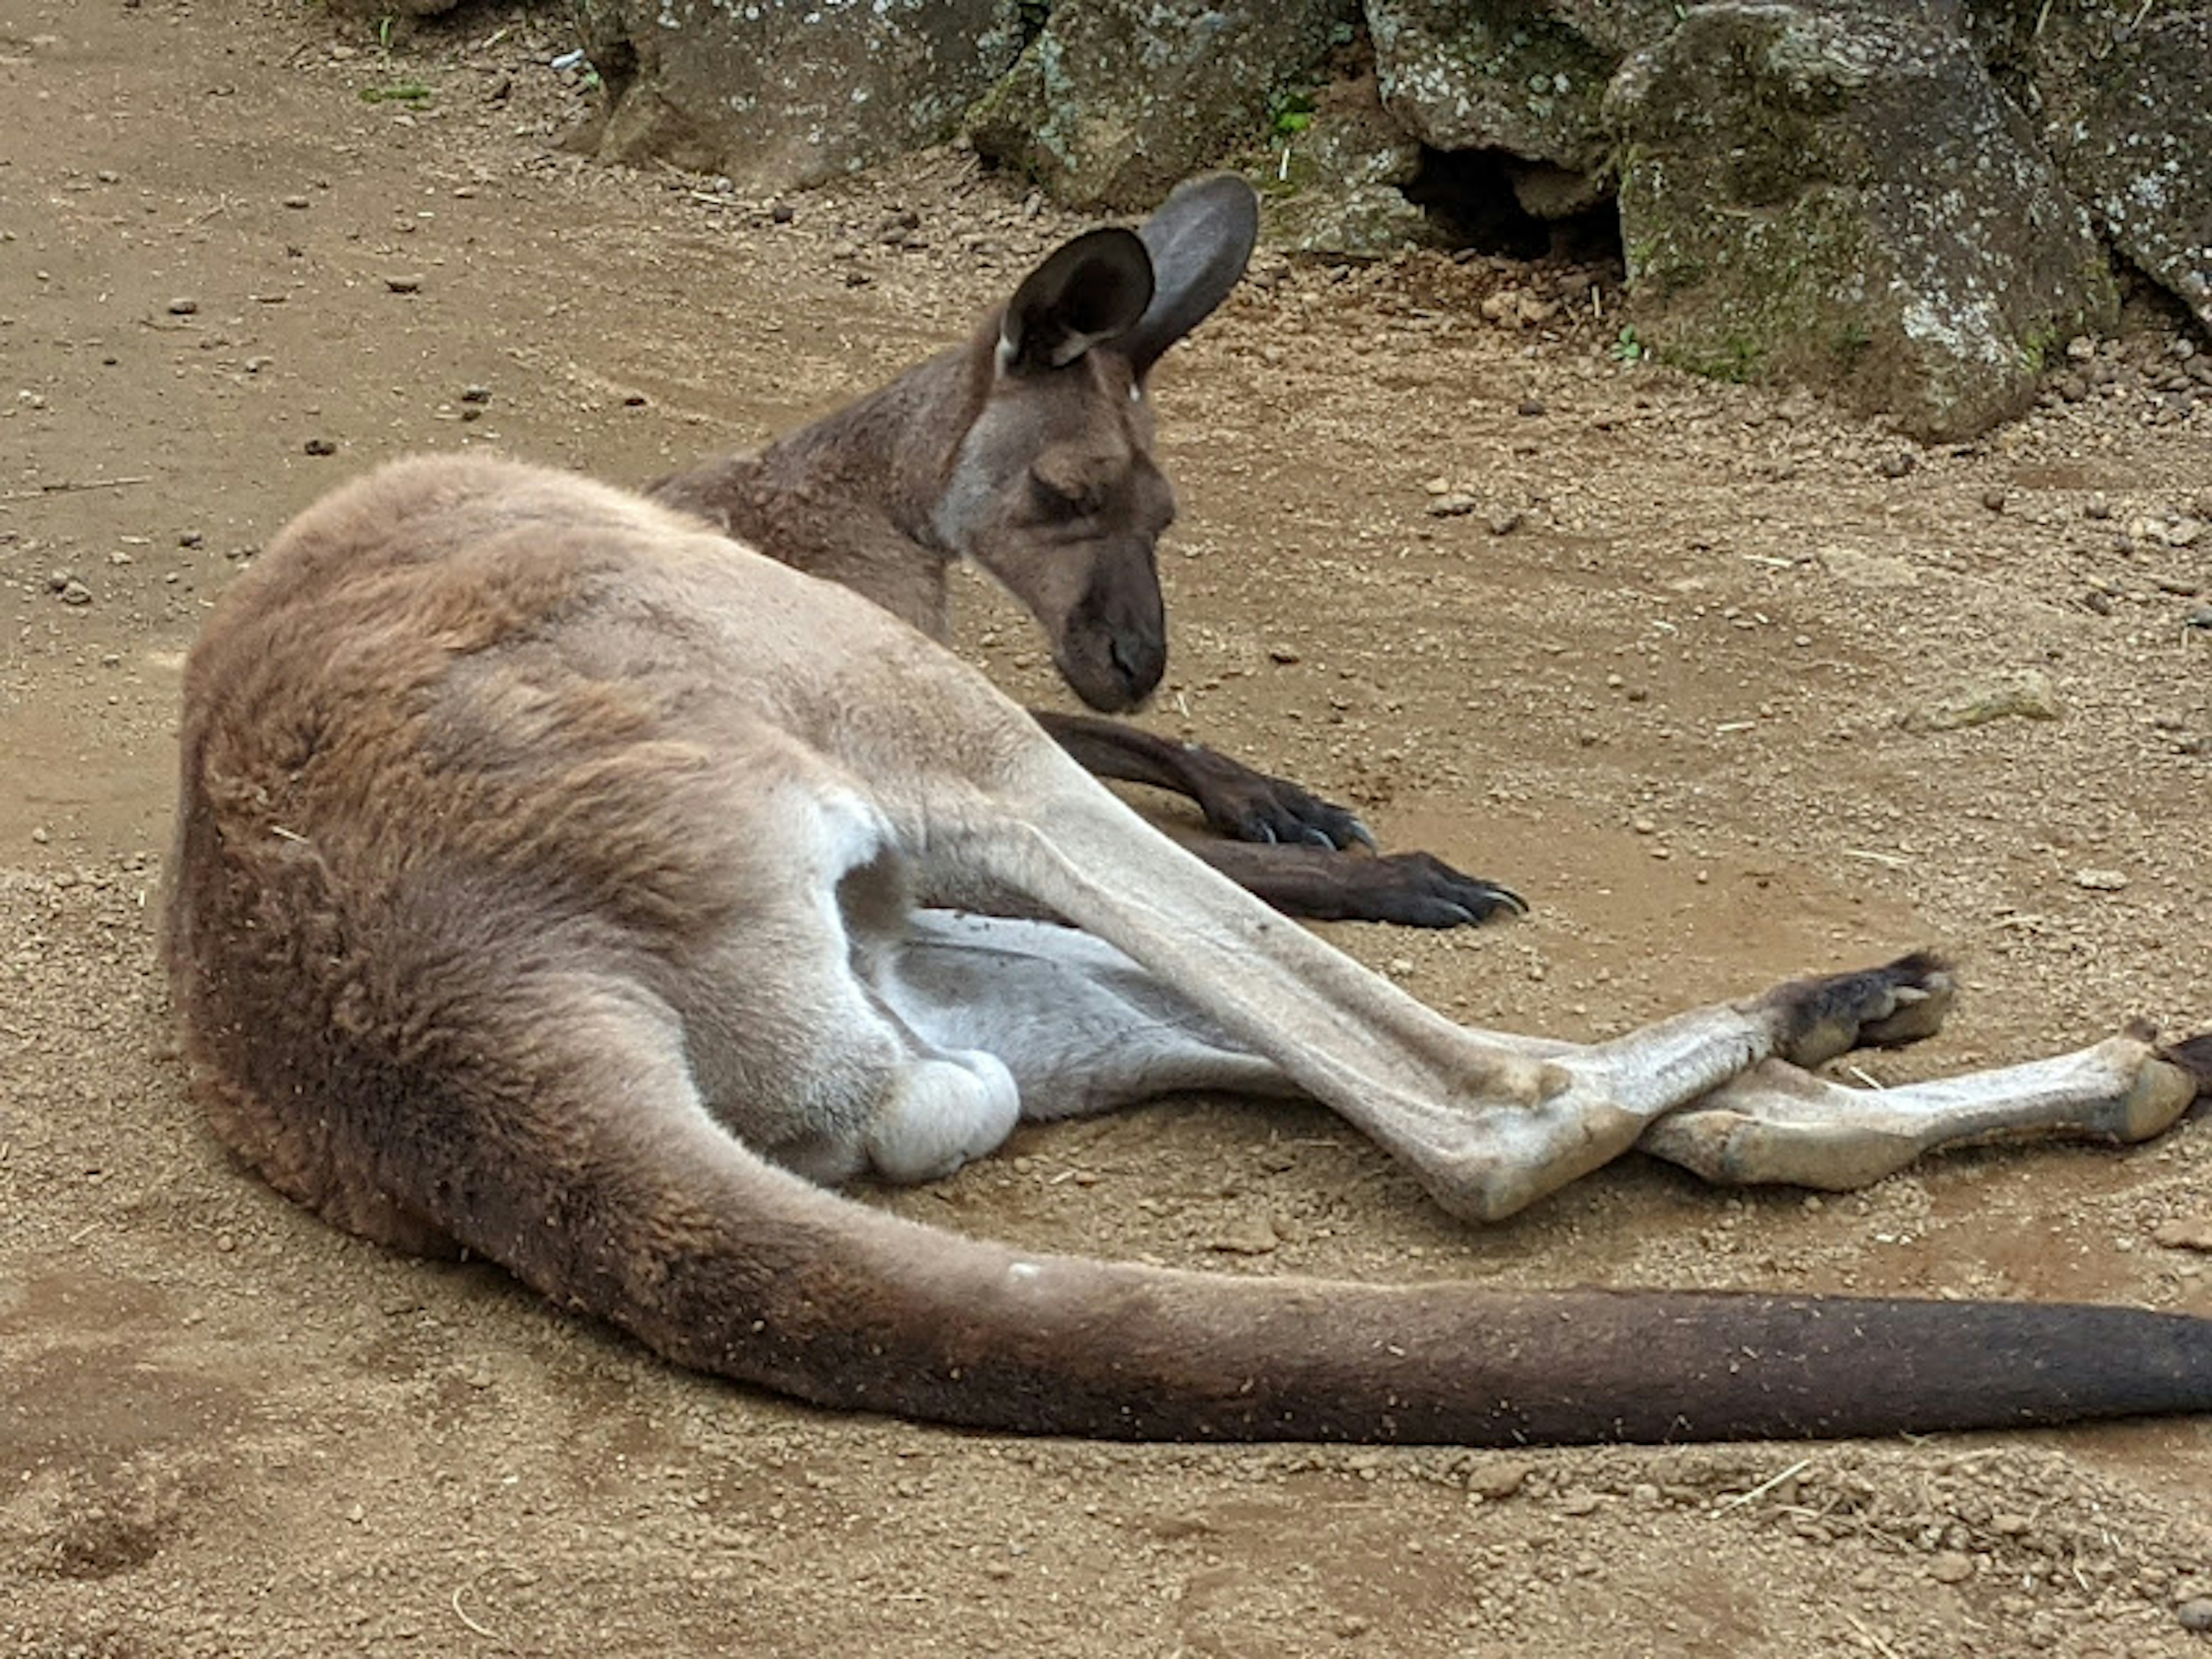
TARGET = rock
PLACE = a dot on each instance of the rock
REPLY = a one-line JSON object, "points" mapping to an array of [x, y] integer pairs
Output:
{"points": [[1836, 194], [73, 592], [780, 94], [1248, 1236], [1344, 184], [2125, 102], [2196, 1614], [1115, 101], [1950, 1567], [184, 305], [2028, 695], [1452, 506], [2189, 1233], [2100, 881], [1497, 1479], [1545, 191], [1527, 78]]}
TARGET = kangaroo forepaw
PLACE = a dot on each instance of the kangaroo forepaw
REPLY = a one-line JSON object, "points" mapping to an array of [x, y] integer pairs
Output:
{"points": [[1885, 1007], [1254, 806], [1418, 889]]}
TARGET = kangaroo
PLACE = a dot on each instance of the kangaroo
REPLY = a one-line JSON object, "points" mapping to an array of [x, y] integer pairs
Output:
{"points": [[1047, 480], [543, 888]]}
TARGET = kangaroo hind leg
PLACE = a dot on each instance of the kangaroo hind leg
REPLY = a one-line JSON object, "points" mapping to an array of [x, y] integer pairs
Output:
{"points": [[1780, 1124], [795, 1047]]}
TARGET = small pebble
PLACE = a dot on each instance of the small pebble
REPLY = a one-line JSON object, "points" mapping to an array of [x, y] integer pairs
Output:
{"points": [[1497, 1481], [1452, 506], [1896, 464], [1951, 1568], [2195, 1614], [1505, 521], [476, 394], [1994, 500], [406, 284], [183, 305], [319, 447], [1532, 406]]}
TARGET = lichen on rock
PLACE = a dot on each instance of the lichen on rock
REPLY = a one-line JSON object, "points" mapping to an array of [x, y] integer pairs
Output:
{"points": [[1115, 101], [783, 93], [1838, 195]]}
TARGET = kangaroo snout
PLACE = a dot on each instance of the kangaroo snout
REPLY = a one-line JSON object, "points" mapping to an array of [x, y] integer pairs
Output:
{"points": [[1113, 668]]}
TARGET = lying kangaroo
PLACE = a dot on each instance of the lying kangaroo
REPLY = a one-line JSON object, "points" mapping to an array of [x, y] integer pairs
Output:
{"points": [[541, 889], [1046, 479]]}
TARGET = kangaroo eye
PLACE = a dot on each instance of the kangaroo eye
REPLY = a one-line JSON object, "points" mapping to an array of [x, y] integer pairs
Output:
{"points": [[1061, 498]]}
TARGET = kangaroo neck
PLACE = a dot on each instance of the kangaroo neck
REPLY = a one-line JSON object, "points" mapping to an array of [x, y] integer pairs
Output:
{"points": [[850, 497]]}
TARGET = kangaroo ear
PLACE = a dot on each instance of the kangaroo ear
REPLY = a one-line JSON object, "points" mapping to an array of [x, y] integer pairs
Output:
{"points": [[1087, 292], [1200, 241]]}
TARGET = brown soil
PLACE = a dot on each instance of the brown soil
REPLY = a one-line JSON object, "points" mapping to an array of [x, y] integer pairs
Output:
{"points": [[1656, 678]]}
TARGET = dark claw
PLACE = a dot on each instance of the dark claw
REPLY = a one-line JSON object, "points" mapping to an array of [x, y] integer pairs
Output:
{"points": [[1358, 831], [1417, 889]]}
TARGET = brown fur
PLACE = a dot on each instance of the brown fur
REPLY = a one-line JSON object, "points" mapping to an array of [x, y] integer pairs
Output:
{"points": [[511, 810], [1047, 481]]}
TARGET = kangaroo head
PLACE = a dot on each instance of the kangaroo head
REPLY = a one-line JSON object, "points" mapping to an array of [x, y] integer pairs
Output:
{"points": [[1052, 488]]}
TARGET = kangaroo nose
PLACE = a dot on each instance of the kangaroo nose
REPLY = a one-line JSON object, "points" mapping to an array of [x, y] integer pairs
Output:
{"points": [[1139, 660]]}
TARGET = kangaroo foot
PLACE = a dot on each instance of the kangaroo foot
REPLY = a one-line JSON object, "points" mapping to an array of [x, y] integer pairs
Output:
{"points": [[1885, 1007]]}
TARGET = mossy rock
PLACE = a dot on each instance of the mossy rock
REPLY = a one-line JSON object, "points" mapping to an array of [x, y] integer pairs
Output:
{"points": [[1115, 101], [1838, 196], [786, 93], [2124, 97], [1527, 77]]}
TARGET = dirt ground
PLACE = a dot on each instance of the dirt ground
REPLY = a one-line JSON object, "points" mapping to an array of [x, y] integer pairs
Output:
{"points": [[1690, 670]]}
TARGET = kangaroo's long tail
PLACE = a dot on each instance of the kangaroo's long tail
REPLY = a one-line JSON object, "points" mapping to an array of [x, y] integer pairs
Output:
{"points": [[663, 1224]]}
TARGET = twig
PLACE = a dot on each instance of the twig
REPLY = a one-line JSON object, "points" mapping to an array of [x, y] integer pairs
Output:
{"points": [[1879, 1645], [1763, 1487], [2041, 18], [462, 1614], [64, 486], [1889, 859], [1866, 1076]]}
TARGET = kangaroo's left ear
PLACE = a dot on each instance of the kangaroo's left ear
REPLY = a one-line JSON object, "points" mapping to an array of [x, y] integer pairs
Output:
{"points": [[1087, 292], [1200, 240]]}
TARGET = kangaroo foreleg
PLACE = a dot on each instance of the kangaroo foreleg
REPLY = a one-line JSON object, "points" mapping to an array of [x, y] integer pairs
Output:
{"points": [[1238, 802], [1286, 846]]}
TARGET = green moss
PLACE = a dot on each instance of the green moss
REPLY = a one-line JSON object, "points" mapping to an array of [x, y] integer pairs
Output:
{"points": [[1734, 357], [2037, 349]]}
